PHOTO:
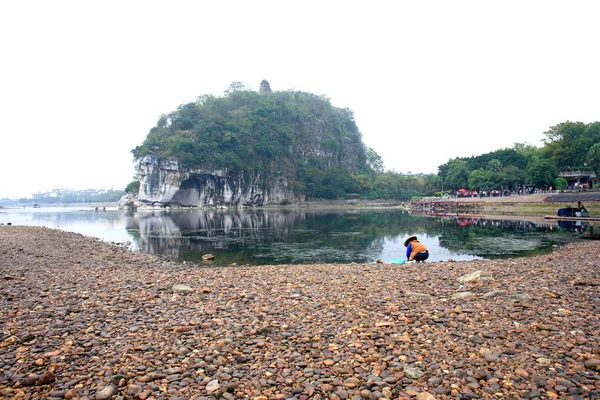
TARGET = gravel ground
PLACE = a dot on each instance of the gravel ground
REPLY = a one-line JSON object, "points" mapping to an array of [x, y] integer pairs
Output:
{"points": [[83, 319]]}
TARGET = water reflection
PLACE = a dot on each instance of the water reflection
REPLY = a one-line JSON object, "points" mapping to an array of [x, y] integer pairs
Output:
{"points": [[108, 225], [496, 238], [306, 236], [256, 236], [301, 236], [574, 226]]}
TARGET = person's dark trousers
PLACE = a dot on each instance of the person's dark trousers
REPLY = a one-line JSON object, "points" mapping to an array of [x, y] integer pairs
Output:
{"points": [[422, 256]]}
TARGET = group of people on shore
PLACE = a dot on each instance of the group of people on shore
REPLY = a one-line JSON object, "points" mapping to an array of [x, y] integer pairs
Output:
{"points": [[500, 192]]}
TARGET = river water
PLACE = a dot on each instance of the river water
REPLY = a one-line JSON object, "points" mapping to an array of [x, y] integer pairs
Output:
{"points": [[264, 237]]}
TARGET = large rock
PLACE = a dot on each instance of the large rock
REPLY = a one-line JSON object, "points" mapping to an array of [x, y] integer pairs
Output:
{"points": [[127, 201], [165, 182], [476, 276]]}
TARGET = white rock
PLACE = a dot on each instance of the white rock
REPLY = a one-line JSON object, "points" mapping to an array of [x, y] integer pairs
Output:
{"points": [[184, 289], [212, 386], [105, 393], [463, 295], [475, 276]]}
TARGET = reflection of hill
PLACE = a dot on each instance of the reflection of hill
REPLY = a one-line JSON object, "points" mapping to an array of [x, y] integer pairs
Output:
{"points": [[287, 236], [240, 222], [158, 234]]}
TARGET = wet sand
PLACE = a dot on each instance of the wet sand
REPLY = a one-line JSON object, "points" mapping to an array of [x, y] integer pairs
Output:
{"points": [[84, 319]]}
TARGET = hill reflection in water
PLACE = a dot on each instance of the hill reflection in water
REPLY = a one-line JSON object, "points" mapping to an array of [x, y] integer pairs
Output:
{"points": [[262, 237]]}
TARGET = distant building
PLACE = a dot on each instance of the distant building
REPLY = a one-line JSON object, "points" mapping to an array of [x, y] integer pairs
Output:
{"points": [[265, 88], [60, 193], [579, 178]]}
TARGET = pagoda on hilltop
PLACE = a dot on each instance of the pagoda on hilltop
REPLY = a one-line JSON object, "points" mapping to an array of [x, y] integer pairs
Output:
{"points": [[265, 88]]}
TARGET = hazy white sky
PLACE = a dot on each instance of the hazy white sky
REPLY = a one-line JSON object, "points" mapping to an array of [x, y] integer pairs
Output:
{"points": [[82, 82]]}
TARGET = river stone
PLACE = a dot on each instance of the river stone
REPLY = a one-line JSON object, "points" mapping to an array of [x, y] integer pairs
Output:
{"points": [[476, 276], [212, 386], [182, 289], [351, 382], [543, 361], [416, 294], [413, 373], [106, 393], [495, 293], [463, 295], [519, 297], [490, 356], [386, 392], [435, 380], [592, 363]]}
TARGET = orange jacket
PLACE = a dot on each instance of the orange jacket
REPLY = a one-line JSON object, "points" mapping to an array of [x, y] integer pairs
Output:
{"points": [[415, 247]]}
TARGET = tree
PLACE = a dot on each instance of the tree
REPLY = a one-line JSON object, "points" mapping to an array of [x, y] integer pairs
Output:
{"points": [[187, 114], [163, 121], [560, 183], [443, 174], [133, 187], [567, 144], [511, 177], [374, 161], [541, 172], [458, 174], [527, 152], [481, 180], [593, 158], [236, 86], [433, 183], [494, 165]]}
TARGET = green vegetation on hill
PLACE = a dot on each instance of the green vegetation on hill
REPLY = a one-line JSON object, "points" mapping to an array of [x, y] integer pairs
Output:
{"points": [[291, 134], [248, 131]]}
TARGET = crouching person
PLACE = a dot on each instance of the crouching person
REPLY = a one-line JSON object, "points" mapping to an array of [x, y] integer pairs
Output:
{"points": [[415, 250]]}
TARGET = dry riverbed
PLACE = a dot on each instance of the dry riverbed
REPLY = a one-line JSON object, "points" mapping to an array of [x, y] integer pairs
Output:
{"points": [[83, 319]]}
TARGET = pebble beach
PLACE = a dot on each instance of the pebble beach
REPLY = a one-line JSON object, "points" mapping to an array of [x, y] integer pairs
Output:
{"points": [[85, 319]]}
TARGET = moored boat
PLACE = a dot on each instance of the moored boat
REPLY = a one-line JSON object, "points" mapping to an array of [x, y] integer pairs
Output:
{"points": [[578, 212], [573, 212]]}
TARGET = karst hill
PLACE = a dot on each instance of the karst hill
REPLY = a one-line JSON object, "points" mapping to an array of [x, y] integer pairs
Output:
{"points": [[250, 148]]}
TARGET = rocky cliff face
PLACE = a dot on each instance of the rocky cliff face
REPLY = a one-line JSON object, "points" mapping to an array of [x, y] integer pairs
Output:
{"points": [[164, 182]]}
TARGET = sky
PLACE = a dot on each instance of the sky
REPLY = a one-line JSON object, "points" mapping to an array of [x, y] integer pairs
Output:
{"points": [[82, 82]]}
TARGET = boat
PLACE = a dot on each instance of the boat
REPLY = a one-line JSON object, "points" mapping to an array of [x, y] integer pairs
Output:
{"points": [[36, 205], [572, 213]]}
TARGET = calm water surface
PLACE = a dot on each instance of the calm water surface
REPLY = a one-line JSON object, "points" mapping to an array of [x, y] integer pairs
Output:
{"points": [[262, 237]]}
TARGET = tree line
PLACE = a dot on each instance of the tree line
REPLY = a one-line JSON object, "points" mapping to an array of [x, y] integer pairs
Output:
{"points": [[568, 146], [110, 196]]}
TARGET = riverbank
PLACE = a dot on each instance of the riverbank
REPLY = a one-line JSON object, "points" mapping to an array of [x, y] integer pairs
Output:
{"points": [[84, 319], [533, 205]]}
